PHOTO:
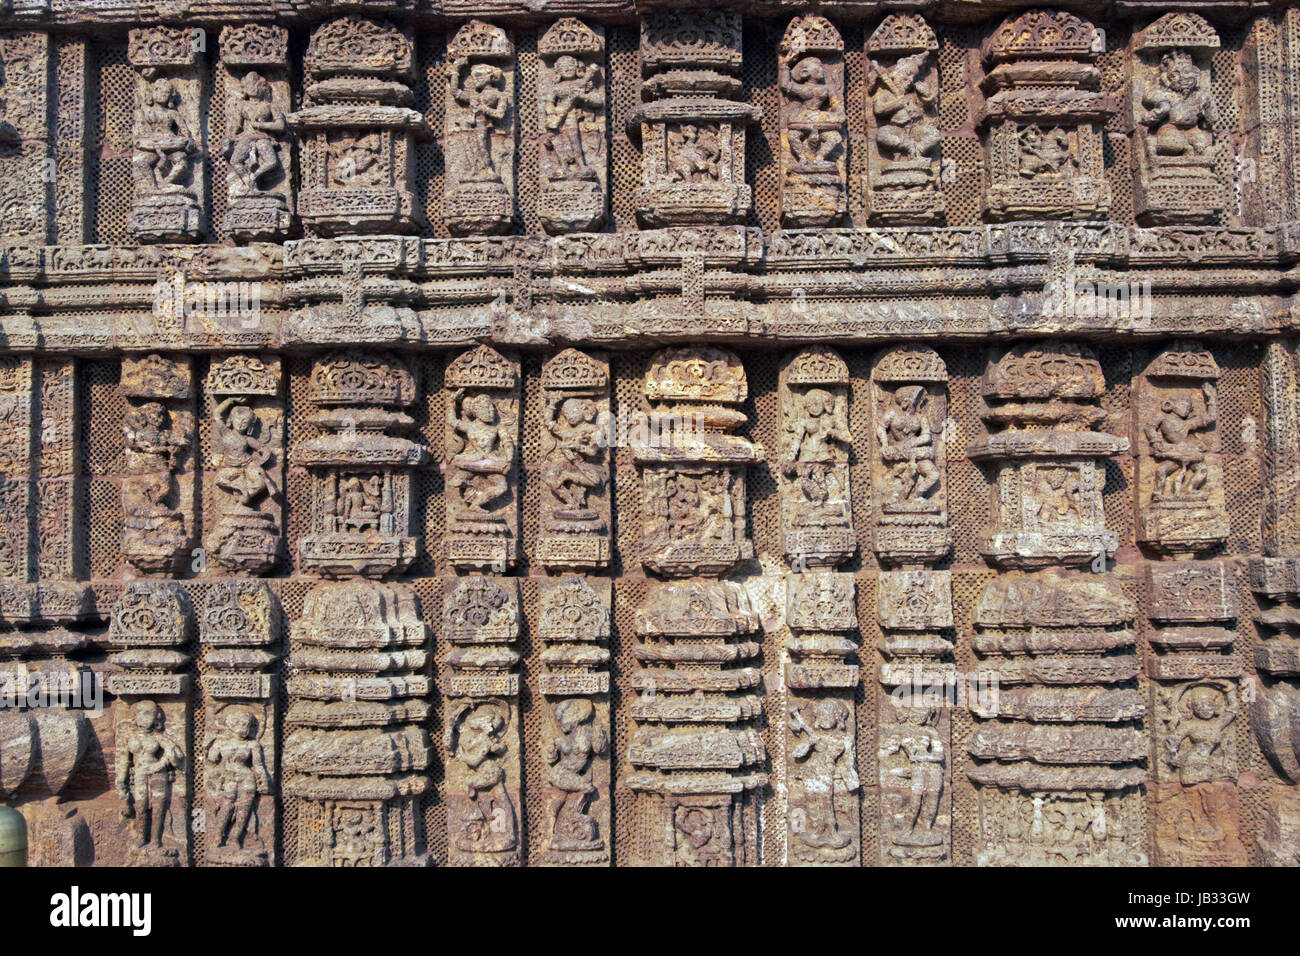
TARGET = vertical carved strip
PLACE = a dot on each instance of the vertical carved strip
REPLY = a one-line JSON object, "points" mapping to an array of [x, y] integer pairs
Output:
{"points": [[1059, 749], [26, 176], [695, 752], [255, 144], [571, 91], [151, 630], [574, 627], [169, 137], [821, 610], [57, 470], [902, 181], [575, 509], [17, 492], [158, 485], [814, 141], [909, 482], [70, 143], [245, 480], [481, 732], [239, 630], [481, 461], [479, 142]]}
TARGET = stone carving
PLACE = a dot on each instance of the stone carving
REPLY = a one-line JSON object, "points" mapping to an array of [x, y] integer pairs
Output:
{"points": [[692, 130], [1277, 660], [693, 474], [479, 197], [167, 137], [575, 511], [695, 751], [575, 626], [246, 462], [356, 754], [814, 144], [1177, 130], [240, 633], [259, 183], [909, 461], [816, 510], [361, 475], [1180, 477], [574, 169], [158, 479], [150, 628], [1042, 118], [902, 182], [480, 620], [358, 130], [481, 461]]}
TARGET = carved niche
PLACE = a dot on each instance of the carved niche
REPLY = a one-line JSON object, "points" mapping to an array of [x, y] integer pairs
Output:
{"points": [[1042, 119], [571, 90], [575, 509], [356, 753], [150, 629], [692, 129], [574, 626], [814, 141], [692, 468], [696, 752], [481, 725], [481, 461], [256, 145], [1178, 133], [813, 470], [902, 181], [245, 481], [159, 458], [239, 630], [909, 459], [358, 130], [1180, 476], [168, 138], [361, 475], [479, 197]]}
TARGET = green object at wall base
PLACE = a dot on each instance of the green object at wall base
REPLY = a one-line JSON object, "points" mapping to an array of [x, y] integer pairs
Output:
{"points": [[13, 838]]}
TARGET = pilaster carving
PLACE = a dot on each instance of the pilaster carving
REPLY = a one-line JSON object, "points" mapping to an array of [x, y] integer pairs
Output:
{"points": [[1177, 129], [358, 129], [481, 461], [1180, 477], [167, 169], [575, 510], [571, 110], [239, 629], [574, 626], [256, 144], [246, 462], [361, 475], [151, 628], [1058, 771], [902, 182], [26, 186], [814, 141], [158, 483], [479, 145], [481, 733], [356, 754], [1042, 120], [691, 127]]}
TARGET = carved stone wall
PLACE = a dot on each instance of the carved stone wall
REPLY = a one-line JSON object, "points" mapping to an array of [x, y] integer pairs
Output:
{"points": [[616, 434]]}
